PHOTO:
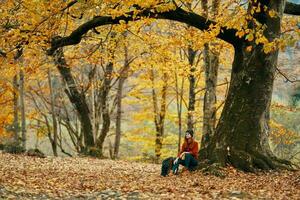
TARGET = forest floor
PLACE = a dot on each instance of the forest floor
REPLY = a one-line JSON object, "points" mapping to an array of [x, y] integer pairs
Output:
{"points": [[23, 177]]}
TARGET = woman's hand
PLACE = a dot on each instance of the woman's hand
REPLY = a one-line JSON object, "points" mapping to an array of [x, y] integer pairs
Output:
{"points": [[176, 161], [183, 154]]}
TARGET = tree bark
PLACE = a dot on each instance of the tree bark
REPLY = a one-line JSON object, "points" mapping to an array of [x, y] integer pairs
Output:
{"points": [[210, 96], [191, 54], [77, 99], [93, 105], [179, 101], [105, 88], [53, 113], [119, 117], [159, 114], [16, 96], [211, 63], [192, 85], [179, 15], [292, 8], [22, 108], [122, 78], [16, 127]]}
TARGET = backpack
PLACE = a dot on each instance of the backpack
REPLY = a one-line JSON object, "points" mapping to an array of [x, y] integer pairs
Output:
{"points": [[166, 166]]}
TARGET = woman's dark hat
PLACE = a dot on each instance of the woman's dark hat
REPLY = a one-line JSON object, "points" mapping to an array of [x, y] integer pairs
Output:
{"points": [[191, 132]]}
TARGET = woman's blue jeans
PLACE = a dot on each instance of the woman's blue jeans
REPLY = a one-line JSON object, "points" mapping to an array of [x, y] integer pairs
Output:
{"points": [[189, 162]]}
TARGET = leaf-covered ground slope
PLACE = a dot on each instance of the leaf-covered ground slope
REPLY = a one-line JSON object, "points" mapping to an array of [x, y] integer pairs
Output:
{"points": [[23, 177]]}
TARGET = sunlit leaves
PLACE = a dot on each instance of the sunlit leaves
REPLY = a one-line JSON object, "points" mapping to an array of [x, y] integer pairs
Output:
{"points": [[282, 135]]}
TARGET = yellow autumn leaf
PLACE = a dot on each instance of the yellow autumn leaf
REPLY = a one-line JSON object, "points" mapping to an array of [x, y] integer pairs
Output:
{"points": [[249, 48], [272, 13], [250, 37]]}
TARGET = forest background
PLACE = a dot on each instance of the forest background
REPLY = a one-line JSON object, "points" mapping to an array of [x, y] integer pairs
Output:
{"points": [[135, 86]]}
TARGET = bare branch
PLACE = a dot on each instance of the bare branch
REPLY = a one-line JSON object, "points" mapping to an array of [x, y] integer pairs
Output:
{"points": [[292, 8], [287, 79]]}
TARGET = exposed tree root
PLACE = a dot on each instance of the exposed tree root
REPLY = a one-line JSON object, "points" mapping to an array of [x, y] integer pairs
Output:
{"points": [[252, 161], [241, 160], [211, 169], [214, 169]]}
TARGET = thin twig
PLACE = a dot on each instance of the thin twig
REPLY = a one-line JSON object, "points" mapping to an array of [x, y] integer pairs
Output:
{"points": [[287, 79]]}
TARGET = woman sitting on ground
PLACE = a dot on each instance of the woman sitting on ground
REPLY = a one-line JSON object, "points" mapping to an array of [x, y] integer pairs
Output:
{"points": [[189, 153]]}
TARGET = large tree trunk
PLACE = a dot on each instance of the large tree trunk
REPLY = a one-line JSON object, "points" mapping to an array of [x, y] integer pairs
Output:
{"points": [[93, 111], [16, 110], [211, 63], [104, 90], [77, 99], [240, 138], [191, 53], [119, 117], [122, 78], [179, 101], [16, 96], [22, 108], [159, 114], [211, 60], [53, 113], [192, 85]]}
